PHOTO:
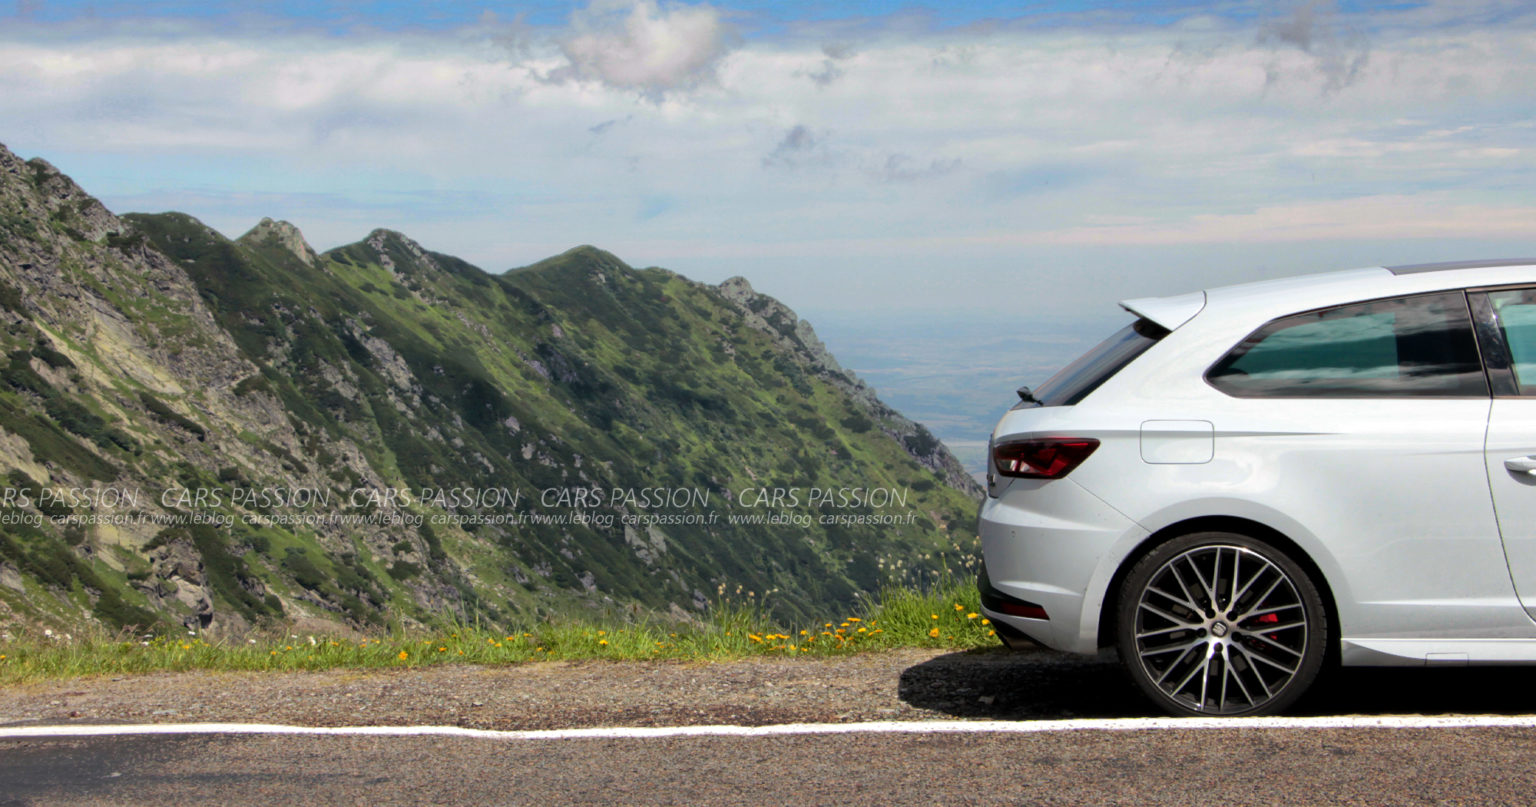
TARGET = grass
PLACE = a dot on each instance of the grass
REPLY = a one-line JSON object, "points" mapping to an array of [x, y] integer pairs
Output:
{"points": [[946, 617]]}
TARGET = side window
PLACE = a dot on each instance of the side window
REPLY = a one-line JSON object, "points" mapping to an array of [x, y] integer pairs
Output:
{"points": [[1514, 318], [1407, 346]]}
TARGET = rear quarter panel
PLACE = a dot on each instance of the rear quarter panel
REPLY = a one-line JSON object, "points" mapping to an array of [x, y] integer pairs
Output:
{"points": [[1388, 498]]}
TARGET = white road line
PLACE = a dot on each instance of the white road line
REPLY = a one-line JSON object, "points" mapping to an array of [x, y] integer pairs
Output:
{"points": [[793, 729]]}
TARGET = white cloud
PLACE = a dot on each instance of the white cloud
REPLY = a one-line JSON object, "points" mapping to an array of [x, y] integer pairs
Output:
{"points": [[925, 148], [1419, 217], [637, 44]]}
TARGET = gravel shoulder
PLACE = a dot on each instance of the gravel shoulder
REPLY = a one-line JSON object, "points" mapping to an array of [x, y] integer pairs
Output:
{"points": [[753, 691], [909, 684]]}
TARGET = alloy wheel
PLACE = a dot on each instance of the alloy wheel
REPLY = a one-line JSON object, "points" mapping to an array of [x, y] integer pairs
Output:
{"points": [[1221, 629]]}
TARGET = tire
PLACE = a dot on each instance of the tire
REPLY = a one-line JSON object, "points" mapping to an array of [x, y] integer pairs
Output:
{"points": [[1221, 624]]}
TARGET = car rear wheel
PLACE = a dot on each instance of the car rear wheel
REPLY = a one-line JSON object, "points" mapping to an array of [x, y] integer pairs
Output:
{"points": [[1221, 624]]}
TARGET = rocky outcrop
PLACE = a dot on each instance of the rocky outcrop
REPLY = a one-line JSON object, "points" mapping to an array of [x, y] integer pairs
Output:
{"points": [[37, 183], [796, 335], [284, 236], [400, 254]]}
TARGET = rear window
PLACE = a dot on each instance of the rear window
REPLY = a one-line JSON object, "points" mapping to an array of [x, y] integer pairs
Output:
{"points": [[1076, 380], [1407, 346]]}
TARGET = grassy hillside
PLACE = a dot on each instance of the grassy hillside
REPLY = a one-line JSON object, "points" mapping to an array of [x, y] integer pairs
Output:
{"points": [[574, 437]]}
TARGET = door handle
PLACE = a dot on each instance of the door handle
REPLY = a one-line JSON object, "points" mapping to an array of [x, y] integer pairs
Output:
{"points": [[1524, 465]]}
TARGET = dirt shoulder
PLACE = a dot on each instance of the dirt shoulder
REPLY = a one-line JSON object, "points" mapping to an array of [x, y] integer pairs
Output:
{"points": [[906, 684], [894, 685]]}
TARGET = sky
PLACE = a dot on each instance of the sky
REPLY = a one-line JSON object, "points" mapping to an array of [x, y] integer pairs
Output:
{"points": [[879, 161]]}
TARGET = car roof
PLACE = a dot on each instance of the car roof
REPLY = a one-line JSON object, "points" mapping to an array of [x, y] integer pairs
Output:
{"points": [[1446, 266], [1307, 292]]}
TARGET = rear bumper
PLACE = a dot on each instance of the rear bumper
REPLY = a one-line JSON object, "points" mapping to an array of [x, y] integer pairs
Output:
{"points": [[995, 603], [1053, 546]]}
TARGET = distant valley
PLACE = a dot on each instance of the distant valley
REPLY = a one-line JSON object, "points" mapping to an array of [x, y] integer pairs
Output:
{"points": [[957, 372]]}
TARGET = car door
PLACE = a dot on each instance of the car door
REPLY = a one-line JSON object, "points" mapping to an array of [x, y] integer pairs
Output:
{"points": [[1507, 331]]}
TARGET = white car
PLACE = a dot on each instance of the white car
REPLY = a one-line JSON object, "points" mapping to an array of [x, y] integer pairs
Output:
{"points": [[1249, 481]]}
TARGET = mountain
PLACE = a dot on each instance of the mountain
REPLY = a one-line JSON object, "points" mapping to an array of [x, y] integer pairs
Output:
{"points": [[231, 433]]}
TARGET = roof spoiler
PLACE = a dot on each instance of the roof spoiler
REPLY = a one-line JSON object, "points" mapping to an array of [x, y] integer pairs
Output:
{"points": [[1169, 312]]}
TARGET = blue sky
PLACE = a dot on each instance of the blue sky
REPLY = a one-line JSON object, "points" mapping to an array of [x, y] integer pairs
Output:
{"points": [[850, 158]]}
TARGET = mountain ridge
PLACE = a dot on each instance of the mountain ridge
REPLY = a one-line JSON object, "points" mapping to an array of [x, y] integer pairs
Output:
{"points": [[151, 350]]}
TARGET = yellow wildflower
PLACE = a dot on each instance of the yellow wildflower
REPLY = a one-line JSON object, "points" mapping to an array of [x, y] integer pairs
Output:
{"points": [[972, 615], [986, 621], [959, 607], [934, 616], [854, 619], [934, 633], [603, 642]]}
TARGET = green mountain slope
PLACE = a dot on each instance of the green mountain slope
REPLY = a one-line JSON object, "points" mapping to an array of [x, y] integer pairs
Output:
{"points": [[382, 434]]}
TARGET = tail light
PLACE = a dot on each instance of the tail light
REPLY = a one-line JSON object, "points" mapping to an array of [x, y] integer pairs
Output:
{"points": [[1043, 458]]}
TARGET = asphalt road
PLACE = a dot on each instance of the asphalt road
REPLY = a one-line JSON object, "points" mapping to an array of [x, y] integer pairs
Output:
{"points": [[1297, 766], [1166, 766]]}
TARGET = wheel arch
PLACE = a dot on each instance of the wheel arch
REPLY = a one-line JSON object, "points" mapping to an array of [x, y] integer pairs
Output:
{"points": [[1235, 524]]}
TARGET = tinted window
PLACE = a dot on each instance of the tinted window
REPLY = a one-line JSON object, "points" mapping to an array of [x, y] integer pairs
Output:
{"points": [[1419, 346], [1076, 380], [1515, 315]]}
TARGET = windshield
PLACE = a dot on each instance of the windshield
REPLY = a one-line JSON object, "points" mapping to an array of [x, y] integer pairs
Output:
{"points": [[1076, 380]]}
